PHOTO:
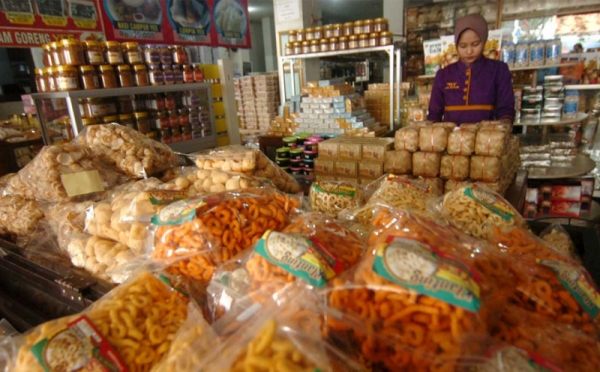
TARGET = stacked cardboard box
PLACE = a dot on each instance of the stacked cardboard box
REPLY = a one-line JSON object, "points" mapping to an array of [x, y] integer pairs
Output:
{"points": [[359, 160], [258, 100], [378, 99], [283, 124]]}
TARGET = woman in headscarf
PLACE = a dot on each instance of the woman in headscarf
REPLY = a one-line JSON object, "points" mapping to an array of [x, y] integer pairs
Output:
{"points": [[474, 88]]}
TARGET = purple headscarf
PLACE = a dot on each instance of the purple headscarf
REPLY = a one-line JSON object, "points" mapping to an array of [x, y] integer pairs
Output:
{"points": [[474, 22]]}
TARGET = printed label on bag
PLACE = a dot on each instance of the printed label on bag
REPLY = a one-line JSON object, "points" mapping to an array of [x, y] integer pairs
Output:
{"points": [[77, 347], [305, 258], [426, 189], [428, 271], [578, 283], [82, 183], [335, 188], [491, 202], [516, 359], [162, 197], [179, 212]]}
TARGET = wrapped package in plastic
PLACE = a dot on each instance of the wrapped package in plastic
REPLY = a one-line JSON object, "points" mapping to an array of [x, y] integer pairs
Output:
{"points": [[558, 238], [407, 139], [403, 194], [490, 143], [18, 215], [67, 220], [436, 184], [130, 328], [240, 159], [454, 167], [433, 139], [473, 127], [452, 185], [495, 125], [194, 235], [461, 141], [398, 162], [426, 164], [397, 306], [470, 207], [485, 168], [447, 125], [331, 197], [130, 151]]}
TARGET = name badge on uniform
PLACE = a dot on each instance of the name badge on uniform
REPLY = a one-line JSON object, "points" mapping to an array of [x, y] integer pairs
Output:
{"points": [[451, 85]]}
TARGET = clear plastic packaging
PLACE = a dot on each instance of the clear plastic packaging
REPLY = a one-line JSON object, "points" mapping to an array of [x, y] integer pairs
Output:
{"points": [[490, 142], [485, 168], [426, 164], [433, 139], [398, 162], [331, 197], [455, 167], [403, 193], [461, 142], [407, 139], [558, 238], [18, 215]]}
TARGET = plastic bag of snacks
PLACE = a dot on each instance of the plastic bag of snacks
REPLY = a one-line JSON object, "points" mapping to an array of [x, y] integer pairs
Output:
{"points": [[18, 215], [433, 139], [128, 150], [197, 233], [454, 167], [446, 125], [461, 141], [470, 207], [503, 358], [426, 164], [403, 194], [406, 310], [452, 185], [130, 328], [407, 139], [398, 162], [63, 173], [495, 125], [559, 344], [485, 168], [556, 286], [558, 238], [240, 159], [331, 197], [490, 143]]}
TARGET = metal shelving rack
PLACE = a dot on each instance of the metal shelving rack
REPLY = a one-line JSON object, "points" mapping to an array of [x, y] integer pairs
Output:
{"points": [[394, 69], [527, 68], [71, 98]]}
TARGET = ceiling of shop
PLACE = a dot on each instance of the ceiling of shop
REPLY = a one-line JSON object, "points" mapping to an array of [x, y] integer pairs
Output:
{"points": [[333, 11]]}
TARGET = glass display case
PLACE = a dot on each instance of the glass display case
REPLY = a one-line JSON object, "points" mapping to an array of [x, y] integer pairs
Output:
{"points": [[179, 115]]}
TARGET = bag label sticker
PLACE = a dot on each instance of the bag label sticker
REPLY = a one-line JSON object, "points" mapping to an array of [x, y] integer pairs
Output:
{"points": [[334, 188], [491, 202]]}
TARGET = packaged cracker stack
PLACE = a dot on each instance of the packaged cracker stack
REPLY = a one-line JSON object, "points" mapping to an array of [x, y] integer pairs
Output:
{"points": [[560, 151], [248, 105], [257, 97], [284, 124], [360, 160], [378, 98]]}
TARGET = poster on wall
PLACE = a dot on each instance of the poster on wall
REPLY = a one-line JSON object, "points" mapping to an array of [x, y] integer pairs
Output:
{"points": [[27, 23], [191, 21], [134, 20], [232, 24]]}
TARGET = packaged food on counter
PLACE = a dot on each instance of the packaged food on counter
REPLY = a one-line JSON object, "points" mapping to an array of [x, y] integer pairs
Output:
{"points": [[398, 162], [18, 215], [485, 168], [407, 139], [403, 193], [250, 162], [426, 164], [454, 167], [433, 139], [67, 220], [436, 184], [128, 150], [470, 208], [490, 142], [558, 238], [452, 185], [331, 197], [130, 328], [461, 141], [194, 235], [406, 255]]}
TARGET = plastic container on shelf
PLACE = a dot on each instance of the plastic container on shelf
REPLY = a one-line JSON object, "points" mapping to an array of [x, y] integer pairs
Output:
{"points": [[177, 74], [151, 55], [198, 74], [180, 55], [380, 25], [168, 74], [156, 75], [57, 59], [125, 76], [132, 53], [289, 49], [47, 56], [363, 41], [166, 56], [353, 42], [327, 31], [41, 83], [297, 48], [93, 53], [337, 30], [315, 46], [306, 47], [66, 78], [108, 77], [292, 36], [522, 54], [343, 43], [300, 36], [386, 38], [142, 122], [334, 44], [348, 29], [188, 74], [127, 121], [309, 34], [89, 77], [358, 27], [317, 33], [113, 54], [49, 74], [72, 52], [368, 26], [374, 39], [324, 45], [537, 53], [553, 48], [110, 119], [125, 105], [508, 53], [140, 75]]}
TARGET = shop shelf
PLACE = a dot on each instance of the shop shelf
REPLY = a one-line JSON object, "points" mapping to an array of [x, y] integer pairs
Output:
{"points": [[583, 87], [565, 121], [580, 166], [528, 68], [387, 48]]}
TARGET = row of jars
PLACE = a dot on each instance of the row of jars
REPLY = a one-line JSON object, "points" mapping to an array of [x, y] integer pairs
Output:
{"points": [[70, 52], [342, 43], [367, 26], [87, 77]]}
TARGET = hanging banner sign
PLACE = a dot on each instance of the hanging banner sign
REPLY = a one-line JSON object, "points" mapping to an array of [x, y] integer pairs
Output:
{"points": [[191, 21], [29, 23], [232, 24], [134, 20]]}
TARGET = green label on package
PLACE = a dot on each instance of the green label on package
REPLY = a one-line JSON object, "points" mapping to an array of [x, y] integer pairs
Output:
{"points": [[179, 212], [305, 258], [428, 271], [335, 188], [578, 283], [491, 202], [163, 197], [77, 347]]}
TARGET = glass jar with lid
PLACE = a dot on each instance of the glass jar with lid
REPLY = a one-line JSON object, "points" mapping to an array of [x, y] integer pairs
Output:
{"points": [[125, 76], [98, 107], [315, 46], [198, 74], [177, 137], [318, 33], [289, 49], [89, 77], [186, 134], [173, 118], [180, 55], [160, 120], [56, 55], [343, 42], [93, 53], [177, 74], [348, 29], [292, 36], [139, 102], [300, 36], [41, 83], [151, 54], [166, 56], [334, 44], [363, 41], [165, 136], [184, 117], [66, 78], [188, 74], [368, 26], [193, 116], [127, 121], [386, 38], [337, 30], [155, 102], [142, 122], [48, 62], [140, 75], [327, 31], [309, 34], [297, 48], [380, 25], [110, 119], [168, 73], [374, 39], [352, 42], [49, 74], [305, 47], [108, 78], [89, 121], [132, 52], [125, 104], [359, 27], [113, 53], [324, 45], [170, 101], [156, 75]]}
